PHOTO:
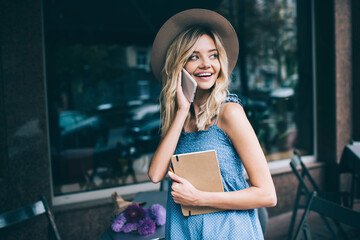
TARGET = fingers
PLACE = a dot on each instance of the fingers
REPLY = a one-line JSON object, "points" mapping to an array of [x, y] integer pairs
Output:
{"points": [[175, 177], [181, 194], [176, 197], [179, 79], [174, 187], [182, 101], [177, 192], [178, 85]]}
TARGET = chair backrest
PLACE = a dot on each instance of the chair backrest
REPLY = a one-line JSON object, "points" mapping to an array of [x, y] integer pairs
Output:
{"points": [[304, 177], [16, 216], [328, 209]]}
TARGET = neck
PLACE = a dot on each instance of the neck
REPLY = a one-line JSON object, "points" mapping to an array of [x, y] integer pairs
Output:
{"points": [[200, 98]]}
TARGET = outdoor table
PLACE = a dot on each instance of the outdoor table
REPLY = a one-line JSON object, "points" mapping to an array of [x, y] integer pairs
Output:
{"points": [[150, 198], [350, 159], [350, 162]]}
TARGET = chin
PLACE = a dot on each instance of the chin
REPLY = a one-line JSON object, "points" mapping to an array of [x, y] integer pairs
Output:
{"points": [[205, 89], [205, 85]]}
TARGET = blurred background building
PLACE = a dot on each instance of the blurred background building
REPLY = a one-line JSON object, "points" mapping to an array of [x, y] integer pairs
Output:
{"points": [[79, 106]]}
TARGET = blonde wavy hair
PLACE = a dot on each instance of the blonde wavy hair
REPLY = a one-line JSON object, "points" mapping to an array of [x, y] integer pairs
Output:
{"points": [[177, 55]]}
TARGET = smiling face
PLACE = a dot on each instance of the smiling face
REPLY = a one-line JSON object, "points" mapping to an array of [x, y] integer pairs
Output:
{"points": [[203, 64]]}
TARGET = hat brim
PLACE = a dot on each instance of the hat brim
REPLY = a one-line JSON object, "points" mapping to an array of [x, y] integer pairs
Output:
{"points": [[184, 20]]}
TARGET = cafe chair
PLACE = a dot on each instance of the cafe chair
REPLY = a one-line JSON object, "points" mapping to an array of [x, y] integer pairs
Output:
{"points": [[306, 185], [330, 210], [30, 211]]}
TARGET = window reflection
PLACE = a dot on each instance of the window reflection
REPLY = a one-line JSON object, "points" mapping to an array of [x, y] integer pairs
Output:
{"points": [[108, 118]]}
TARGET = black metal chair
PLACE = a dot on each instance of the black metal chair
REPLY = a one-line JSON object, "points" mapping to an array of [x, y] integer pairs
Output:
{"points": [[33, 210], [306, 185], [328, 209]]}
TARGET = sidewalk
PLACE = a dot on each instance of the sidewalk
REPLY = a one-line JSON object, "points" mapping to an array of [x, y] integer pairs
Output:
{"points": [[278, 226]]}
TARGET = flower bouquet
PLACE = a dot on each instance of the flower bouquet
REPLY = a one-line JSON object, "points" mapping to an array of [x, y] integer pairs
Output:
{"points": [[136, 218]]}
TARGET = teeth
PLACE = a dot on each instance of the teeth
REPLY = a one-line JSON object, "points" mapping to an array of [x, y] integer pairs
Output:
{"points": [[204, 75]]}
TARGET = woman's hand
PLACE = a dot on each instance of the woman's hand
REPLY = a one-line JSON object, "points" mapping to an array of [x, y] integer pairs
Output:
{"points": [[183, 192], [182, 102]]}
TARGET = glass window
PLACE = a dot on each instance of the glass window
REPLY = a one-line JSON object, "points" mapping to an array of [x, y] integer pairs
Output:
{"points": [[267, 76], [103, 106]]}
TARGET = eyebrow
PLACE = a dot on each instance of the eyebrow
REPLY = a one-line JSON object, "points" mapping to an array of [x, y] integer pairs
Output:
{"points": [[211, 50]]}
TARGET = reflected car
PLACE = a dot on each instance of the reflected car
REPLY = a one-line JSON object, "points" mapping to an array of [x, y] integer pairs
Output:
{"points": [[144, 111], [81, 131], [147, 136], [144, 123]]}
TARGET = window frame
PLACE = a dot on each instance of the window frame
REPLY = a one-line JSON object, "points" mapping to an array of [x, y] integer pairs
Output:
{"points": [[103, 193]]}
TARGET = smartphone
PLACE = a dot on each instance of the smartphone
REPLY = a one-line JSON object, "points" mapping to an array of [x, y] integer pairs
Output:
{"points": [[188, 85]]}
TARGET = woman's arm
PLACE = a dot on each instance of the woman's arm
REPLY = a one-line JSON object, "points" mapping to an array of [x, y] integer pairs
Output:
{"points": [[161, 158], [261, 193]]}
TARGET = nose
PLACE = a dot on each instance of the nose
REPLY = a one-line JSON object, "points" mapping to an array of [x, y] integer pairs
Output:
{"points": [[205, 64]]}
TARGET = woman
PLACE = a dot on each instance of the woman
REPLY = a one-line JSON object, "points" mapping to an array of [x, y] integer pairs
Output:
{"points": [[205, 44]]}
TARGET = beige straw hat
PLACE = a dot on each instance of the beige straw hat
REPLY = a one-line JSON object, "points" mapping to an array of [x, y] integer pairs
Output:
{"points": [[186, 19]]}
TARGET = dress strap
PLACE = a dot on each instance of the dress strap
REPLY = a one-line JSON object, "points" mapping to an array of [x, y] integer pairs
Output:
{"points": [[229, 98]]}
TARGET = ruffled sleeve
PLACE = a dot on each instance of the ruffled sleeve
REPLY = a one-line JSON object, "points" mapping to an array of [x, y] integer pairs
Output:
{"points": [[233, 98]]}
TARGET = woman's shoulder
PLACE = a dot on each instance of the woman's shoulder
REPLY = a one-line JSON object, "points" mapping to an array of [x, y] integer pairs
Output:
{"points": [[232, 106], [231, 112]]}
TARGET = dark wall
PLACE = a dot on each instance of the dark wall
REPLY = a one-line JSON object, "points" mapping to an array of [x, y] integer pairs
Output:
{"points": [[84, 222], [24, 150]]}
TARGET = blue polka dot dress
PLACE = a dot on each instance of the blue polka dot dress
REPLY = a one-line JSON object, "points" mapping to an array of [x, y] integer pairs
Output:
{"points": [[229, 224]]}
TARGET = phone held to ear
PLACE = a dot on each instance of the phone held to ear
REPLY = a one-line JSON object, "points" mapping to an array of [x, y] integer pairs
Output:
{"points": [[188, 85]]}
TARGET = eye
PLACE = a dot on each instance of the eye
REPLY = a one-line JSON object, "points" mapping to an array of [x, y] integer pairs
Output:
{"points": [[193, 57], [214, 56]]}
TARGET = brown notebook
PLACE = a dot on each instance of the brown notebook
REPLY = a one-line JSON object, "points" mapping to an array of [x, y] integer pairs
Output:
{"points": [[202, 170]]}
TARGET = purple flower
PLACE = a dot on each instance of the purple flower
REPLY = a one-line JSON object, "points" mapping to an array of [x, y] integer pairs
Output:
{"points": [[147, 213], [116, 227], [158, 213], [118, 223], [134, 213], [146, 226], [120, 218], [129, 227]]}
